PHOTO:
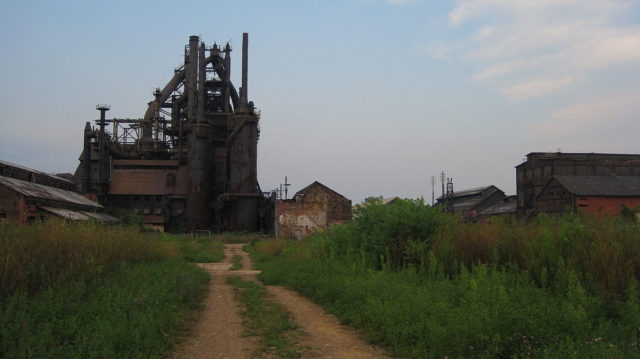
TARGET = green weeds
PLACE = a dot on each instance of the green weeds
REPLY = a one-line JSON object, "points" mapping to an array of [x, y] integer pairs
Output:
{"points": [[84, 290], [236, 262], [200, 249], [135, 311], [421, 284], [266, 319], [49, 254]]}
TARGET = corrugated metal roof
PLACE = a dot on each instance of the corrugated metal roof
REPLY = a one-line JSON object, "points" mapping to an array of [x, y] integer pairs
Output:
{"points": [[503, 207], [616, 186], [9, 164], [66, 213], [470, 192], [80, 215], [102, 217], [36, 190]]}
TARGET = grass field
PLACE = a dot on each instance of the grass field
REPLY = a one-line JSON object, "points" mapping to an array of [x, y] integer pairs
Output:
{"points": [[423, 285], [83, 290]]}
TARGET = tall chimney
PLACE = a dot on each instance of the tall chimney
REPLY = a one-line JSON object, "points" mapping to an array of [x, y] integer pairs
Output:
{"points": [[244, 99], [86, 159], [192, 79]]}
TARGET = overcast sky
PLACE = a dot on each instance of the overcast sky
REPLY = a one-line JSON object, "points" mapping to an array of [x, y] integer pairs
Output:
{"points": [[368, 97]]}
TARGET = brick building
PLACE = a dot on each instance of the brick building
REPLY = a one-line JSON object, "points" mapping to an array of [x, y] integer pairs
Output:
{"points": [[312, 209], [534, 174], [596, 195]]}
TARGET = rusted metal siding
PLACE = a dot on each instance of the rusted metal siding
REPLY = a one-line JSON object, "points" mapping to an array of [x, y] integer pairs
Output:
{"points": [[148, 182]]}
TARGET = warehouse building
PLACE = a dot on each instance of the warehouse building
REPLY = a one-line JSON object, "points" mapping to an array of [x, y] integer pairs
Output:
{"points": [[469, 202], [27, 195], [535, 173], [596, 195]]}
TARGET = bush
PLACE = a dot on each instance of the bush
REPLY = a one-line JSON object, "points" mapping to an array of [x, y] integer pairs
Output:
{"points": [[422, 284]]}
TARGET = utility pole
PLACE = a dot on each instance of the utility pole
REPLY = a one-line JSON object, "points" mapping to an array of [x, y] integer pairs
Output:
{"points": [[433, 194], [450, 195], [443, 178], [286, 187]]}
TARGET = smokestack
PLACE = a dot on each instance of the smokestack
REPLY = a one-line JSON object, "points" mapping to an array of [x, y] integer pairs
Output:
{"points": [[202, 79], [102, 160], [86, 160], [227, 76], [192, 78], [244, 99]]}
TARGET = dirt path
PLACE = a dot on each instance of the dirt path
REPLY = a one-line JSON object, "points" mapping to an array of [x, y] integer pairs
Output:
{"points": [[327, 338], [218, 334]]}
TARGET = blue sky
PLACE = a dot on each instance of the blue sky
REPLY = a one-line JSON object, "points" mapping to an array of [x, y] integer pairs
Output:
{"points": [[369, 97]]}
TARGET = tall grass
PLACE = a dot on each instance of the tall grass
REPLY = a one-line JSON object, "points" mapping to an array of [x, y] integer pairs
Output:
{"points": [[603, 252], [51, 253], [134, 311], [423, 284], [85, 290], [201, 249]]}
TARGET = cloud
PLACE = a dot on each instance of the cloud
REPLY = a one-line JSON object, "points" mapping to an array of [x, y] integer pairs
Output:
{"points": [[525, 90], [402, 2], [440, 51], [533, 48], [590, 117]]}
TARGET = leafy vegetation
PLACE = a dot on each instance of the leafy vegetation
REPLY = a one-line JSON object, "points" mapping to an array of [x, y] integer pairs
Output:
{"points": [[236, 262], [84, 290], [200, 249], [134, 311], [266, 319], [422, 284]]}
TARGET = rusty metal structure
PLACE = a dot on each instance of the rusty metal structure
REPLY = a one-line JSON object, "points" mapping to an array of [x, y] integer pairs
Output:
{"points": [[191, 162]]}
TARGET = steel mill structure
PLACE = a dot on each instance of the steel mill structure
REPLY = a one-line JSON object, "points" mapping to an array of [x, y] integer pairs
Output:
{"points": [[190, 162]]}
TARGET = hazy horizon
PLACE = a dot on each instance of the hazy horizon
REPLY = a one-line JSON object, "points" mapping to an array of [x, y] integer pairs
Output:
{"points": [[368, 97]]}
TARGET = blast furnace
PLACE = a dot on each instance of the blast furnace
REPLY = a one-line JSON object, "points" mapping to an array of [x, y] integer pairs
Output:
{"points": [[190, 162]]}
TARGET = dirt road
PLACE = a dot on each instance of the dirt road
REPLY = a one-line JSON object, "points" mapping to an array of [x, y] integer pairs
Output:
{"points": [[218, 333]]}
